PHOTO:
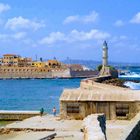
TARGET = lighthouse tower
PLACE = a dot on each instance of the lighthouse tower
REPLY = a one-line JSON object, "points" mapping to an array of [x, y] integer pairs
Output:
{"points": [[105, 54], [106, 69]]}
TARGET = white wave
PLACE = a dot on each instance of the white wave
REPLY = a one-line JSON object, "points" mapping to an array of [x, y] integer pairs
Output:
{"points": [[130, 75], [132, 85], [85, 67]]}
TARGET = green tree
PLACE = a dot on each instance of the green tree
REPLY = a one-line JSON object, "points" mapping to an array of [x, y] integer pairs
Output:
{"points": [[99, 67]]}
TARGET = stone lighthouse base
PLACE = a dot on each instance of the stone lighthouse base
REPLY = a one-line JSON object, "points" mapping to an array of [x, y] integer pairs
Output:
{"points": [[109, 71]]}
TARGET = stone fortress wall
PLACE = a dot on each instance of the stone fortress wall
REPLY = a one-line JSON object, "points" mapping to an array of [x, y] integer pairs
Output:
{"points": [[14, 72], [31, 72]]}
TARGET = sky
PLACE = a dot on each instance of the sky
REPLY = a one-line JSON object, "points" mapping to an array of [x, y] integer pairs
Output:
{"points": [[71, 28]]}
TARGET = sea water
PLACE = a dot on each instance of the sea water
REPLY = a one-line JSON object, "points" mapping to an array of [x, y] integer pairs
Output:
{"points": [[33, 94], [132, 73]]}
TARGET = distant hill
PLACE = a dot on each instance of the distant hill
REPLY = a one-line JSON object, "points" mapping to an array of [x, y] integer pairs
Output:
{"points": [[93, 64]]}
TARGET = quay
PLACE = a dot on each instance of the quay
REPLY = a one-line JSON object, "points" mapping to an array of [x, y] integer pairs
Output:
{"points": [[12, 115]]}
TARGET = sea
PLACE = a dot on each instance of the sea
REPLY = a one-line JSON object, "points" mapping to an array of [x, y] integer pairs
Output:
{"points": [[34, 94]]}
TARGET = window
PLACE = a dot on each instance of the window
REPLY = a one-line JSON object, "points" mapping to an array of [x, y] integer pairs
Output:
{"points": [[73, 108], [122, 110]]}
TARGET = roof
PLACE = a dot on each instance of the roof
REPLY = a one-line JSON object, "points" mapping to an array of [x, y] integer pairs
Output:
{"points": [[100, 92], [53, 61], [75, 67], [9, 55]]}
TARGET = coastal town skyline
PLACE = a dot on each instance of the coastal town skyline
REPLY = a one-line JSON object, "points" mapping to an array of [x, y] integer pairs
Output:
{"points": [[74, 29]]}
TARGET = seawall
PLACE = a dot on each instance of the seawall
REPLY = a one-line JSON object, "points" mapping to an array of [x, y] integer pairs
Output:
{"points": [[31, 72], [7, 115], [12, 72]]}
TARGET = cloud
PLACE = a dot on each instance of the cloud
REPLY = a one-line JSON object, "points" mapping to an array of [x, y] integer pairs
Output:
{"points": [[91, 18], [136, 18], [52, 38], [119, 39], [15, 36], [74, 36], [4, 7], [23, 23], [19, 35], [119, 23]]}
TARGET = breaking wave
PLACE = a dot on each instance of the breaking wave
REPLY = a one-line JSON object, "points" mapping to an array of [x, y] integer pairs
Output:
{"points": [[132, 85], [130, 75]]}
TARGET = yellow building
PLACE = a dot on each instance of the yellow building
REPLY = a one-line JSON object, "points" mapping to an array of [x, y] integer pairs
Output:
{"points": [[10, 60], [53, 64], [38, 64]]}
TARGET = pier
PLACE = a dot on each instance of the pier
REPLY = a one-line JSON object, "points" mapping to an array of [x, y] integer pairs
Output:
{"points": [[12, 115]]}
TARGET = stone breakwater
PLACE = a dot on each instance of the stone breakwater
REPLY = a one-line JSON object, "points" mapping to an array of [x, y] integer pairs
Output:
{"points": [[6, 115]]}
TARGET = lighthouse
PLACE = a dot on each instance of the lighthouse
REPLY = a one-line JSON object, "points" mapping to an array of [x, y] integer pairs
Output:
{"points": [[105, 54]]}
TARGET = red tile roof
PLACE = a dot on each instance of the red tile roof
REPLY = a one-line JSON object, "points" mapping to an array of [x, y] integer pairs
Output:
{"points": [[9, 55]]}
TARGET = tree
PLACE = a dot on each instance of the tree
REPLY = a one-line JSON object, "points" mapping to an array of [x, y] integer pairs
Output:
{"points": [[99, 67]]}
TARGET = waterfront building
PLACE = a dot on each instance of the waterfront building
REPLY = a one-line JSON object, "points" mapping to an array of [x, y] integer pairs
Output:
{"points": [[54, 64], [15, 60], [76, 67], [38, 64], [10, 60], [15, 66], [24, 62]]}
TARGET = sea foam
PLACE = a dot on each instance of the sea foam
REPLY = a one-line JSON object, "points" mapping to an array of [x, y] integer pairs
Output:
{"points": [[132, 85]]}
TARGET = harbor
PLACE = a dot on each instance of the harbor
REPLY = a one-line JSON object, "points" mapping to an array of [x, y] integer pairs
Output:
{"points": [[90, 110]]}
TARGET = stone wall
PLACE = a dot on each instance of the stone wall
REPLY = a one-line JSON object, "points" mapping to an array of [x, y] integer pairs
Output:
{"points": [[65, 115], [61, 73], [17, 115], [92, 107], [32, 72], [94, 127], [24, 72], [84, 73]]}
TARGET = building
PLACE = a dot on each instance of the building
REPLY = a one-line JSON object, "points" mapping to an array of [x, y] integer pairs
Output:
{"points": [[15, 60], [10, 60], [54, 64], [24, 62], [92, 97], [76, 67], [38, 64]]}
